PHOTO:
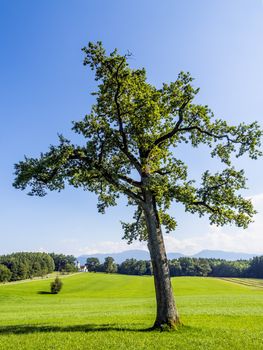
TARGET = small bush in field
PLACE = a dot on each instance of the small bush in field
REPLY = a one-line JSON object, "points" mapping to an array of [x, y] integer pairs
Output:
{"points": [[56, 285]]}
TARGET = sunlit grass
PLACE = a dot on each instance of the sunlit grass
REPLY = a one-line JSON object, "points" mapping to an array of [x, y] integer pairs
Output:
{"points": [[99, 311]]}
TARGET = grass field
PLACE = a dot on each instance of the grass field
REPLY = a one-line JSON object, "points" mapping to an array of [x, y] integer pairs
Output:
{"points": [[99, 311]]}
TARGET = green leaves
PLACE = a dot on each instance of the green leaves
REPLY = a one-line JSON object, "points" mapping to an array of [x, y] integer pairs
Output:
{"points": [[217, 197], [136, 230], [131, 135]]}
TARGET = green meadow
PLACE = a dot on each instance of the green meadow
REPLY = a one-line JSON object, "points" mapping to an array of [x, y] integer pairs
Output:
{"points": [[100, 311]]}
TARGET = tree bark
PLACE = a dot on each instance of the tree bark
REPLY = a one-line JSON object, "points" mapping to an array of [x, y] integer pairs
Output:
{"points": [[167, 315]]}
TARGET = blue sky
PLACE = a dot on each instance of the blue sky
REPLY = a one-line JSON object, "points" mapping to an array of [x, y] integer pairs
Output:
{"points": [[44, 87]]}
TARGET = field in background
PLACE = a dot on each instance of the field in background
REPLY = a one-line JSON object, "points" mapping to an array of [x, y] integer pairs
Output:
{"points": [[99, 311]]}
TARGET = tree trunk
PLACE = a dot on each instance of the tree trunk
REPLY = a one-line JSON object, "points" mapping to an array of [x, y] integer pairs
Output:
{"points": [[167, 315]]}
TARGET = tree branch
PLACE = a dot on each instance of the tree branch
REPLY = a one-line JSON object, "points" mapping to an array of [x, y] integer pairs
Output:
{"points": [[204, 204], [111, 179], [162, 172], [122, 188], [124, 147], [170, 134], [130, 180], [208, 133]]}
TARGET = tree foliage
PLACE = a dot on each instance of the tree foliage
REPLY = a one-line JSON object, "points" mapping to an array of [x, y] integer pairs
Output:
{"points": [[109, 265], [56, 285], [187, 266], [92, 264], [131, 136], [5, 273], [134, 267], [256, 267], [27, 265], [64, 263]]}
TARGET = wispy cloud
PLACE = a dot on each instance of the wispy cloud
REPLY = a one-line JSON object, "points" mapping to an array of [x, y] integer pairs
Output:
{"points": [[223, 238], [111, 247]]}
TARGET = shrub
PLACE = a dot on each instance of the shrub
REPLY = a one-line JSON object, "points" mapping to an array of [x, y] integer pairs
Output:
{"points": [[56, 286]]}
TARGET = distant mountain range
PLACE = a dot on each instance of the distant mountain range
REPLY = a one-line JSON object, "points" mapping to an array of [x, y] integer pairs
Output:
{"points": [[144, 255], [220, 254]]}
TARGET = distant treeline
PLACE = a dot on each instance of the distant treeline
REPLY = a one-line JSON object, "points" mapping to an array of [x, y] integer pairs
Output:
{"points": [[20, 266], [184, 267], [64, 263]]}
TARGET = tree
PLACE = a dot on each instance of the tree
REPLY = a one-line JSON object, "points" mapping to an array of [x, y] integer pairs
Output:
{"points": [[5, 273], [227, 269], [202, 267], [133, 267], [140, 267], [109, 265], [175, 268], [62, 262], [130, 137], [56, 285], [256, 267], [187, 266], [27, 265], [92, 264], [69, 268]]}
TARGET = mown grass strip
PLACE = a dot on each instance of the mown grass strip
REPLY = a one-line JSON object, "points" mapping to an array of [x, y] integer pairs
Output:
{"points": [[245, 281]]}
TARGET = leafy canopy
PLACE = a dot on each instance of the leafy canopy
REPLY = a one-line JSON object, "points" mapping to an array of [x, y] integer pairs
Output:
{"points": [[131, 135]]}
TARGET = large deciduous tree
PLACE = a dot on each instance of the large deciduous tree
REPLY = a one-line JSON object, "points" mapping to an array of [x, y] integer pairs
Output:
{"points": [[131, 135]]}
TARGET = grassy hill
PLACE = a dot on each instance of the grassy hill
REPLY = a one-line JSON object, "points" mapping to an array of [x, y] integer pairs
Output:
{"points": [[99, 311]]}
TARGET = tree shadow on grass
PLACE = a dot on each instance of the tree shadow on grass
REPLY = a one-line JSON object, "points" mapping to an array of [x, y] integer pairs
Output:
{"points": [[27, 329]]}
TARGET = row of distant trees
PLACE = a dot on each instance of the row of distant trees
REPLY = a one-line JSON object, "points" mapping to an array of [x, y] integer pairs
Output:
{"points": [[64, 263], [128, 267], [20, 266], [184, 266], [109, 265]]}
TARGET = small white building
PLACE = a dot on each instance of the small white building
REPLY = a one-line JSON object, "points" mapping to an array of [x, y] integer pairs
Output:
{"points": [[81, 268]]}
